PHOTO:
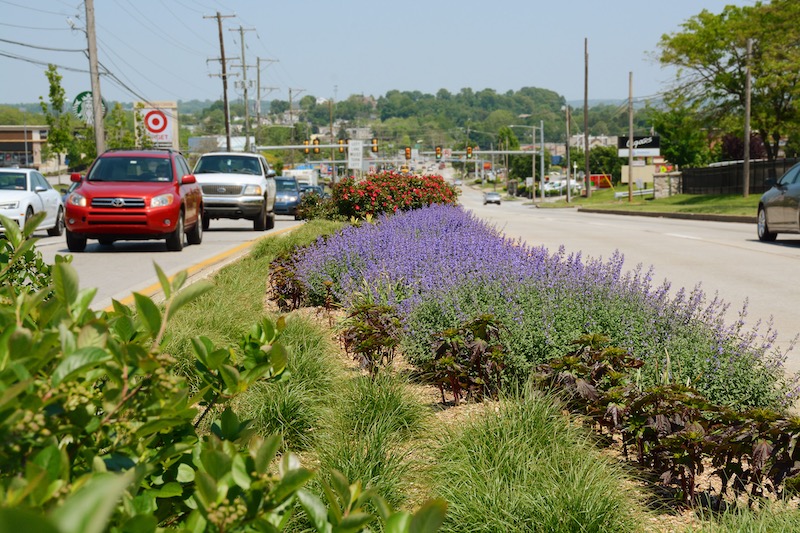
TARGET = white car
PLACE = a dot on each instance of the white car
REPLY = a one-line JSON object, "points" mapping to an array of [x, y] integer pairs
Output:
{"points": [[25, 192]]}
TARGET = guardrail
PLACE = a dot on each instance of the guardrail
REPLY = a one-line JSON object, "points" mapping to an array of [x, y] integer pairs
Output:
{"points": [[637, 192]]}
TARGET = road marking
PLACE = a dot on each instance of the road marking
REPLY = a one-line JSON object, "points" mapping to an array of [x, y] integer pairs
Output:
{"points": [[155, 288], [681, 236]]}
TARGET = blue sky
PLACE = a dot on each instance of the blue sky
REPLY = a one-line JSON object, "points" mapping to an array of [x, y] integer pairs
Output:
{"points": [[160, 50]]}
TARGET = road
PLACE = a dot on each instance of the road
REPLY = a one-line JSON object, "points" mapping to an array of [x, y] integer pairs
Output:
{"points": [[127, 266], [723, 257]]}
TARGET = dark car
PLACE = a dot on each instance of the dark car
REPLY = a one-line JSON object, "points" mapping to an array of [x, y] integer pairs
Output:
{"points": [[315, 189], [287, 195], [135, 195], [779, 207]]}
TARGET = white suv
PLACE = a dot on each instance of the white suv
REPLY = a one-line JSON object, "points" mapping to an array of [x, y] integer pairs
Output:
{"points": [[237, 185]]}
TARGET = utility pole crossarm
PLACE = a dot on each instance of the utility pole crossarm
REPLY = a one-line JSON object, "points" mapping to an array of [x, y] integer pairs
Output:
{"points": [[219, 18]]}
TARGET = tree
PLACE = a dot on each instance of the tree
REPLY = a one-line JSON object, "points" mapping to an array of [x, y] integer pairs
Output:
{"points": [[683, 132], [60, 138], [606, 160], [711, 55], [119, 129]]}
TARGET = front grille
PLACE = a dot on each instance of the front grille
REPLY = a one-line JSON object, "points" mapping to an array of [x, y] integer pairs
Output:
{"points": [[117, 203], [222, 189]]}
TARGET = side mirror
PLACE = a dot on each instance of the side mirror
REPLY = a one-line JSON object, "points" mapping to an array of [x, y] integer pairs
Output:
{"points": [[271, 173], [188, 179], [75, 177], [770, 182]]}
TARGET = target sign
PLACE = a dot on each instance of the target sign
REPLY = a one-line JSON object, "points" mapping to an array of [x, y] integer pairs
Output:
{"points": [[155, 121]]}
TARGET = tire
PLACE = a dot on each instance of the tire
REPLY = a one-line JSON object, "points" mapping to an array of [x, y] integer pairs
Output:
{"points": [[764, 234], [195, 235], [175, 239], [270, 220], [260, 222], [28, 215], [58, 229], [206, 222], [75, 243]]}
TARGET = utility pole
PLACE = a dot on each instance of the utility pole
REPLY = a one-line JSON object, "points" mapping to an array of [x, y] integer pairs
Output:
{"points": [[568, 163], [258, 88], [291, 121], [241, 31], [630, 137], [224, 79], [97, 100], [587, 175], [746, 169]]}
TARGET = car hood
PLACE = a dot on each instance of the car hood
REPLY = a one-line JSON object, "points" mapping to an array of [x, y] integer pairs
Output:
{"points": [[14, 195], [94, 189], [229, 178]]}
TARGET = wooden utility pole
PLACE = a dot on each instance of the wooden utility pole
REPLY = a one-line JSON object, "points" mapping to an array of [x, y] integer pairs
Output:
{"points": [[630, 137], [97, 99], [241, 31], [258, 89], [226, 111], [587, 175], [748, 81]]}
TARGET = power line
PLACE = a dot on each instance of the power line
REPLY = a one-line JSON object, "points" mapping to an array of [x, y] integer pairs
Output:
{"points": [[22, 6], [32, 27], [82, 50], [43, 63]]}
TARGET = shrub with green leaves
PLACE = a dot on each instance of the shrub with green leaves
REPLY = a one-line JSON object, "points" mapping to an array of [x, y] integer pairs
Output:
{"points": [[99, 433]]}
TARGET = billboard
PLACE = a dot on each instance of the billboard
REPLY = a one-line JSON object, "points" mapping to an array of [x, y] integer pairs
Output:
{"points": [[648, 146], [160, 123]]}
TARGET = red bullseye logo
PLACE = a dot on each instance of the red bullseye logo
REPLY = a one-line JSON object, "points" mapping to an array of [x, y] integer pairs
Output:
{"points": [[155, 121]]}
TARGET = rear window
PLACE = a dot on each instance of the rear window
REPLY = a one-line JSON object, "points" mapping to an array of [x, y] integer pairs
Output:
{"points": [[12, 181], [139, 169]]}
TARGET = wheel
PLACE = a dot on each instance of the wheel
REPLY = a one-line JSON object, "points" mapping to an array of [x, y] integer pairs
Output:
{"points": [[270, 220], [195, 235], [260, 222], [764, 234], [175, 239], [75, 243], [58, 229], [28, 215], [206, 222]]}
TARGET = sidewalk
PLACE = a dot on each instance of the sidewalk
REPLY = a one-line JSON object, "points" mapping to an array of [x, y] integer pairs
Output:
{"points": [[685, 216]]}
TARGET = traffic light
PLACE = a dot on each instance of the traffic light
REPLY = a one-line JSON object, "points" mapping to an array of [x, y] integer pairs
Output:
{"points": [[341, 145], [438, 153], [316, 146], [469, 152], [408, 152], [306, 150], [374, 145]]}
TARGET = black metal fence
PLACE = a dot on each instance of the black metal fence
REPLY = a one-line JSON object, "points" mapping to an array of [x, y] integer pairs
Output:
{"points": [[728, 179]]}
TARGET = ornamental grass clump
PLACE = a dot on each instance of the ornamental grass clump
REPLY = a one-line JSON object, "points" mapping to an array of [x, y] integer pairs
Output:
{"points": [[441, 267]]}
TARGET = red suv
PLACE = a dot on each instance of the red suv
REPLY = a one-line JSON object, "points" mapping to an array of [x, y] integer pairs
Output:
{"points": [[135, 195]]}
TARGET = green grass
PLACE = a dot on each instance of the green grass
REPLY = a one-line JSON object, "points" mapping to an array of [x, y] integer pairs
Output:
{"points": [[527, 469], [773, 517], [680, 203]]}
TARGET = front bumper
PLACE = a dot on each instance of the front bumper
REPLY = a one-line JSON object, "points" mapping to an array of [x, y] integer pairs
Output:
{"points": [[233, 207]]}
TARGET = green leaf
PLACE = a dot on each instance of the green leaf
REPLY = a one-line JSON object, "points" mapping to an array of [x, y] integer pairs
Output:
{"points": [[170, 490], [65, 282], [206, 488], [166, 287], [231, 378], [398, 522], [192, 292], [229, 425], [185, 473], [89, 509], [216, 463], [291, 482], [266, 453], [149, 311], [239, 472], [16, 519], [429, 517], [78, 361], [315, 510], [51, 459]]}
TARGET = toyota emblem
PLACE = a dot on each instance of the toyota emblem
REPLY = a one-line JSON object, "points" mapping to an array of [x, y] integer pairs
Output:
{"points": [[118, 202]]}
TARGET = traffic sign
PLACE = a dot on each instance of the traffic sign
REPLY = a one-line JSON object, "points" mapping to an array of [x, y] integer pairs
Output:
{"points": [[355, 157]]}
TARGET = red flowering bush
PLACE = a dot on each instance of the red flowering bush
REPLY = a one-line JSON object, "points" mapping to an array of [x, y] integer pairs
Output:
{"points": [[387, 192]]}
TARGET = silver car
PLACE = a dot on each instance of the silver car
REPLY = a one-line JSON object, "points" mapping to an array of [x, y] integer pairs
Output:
{"points": [[779, 207], [491, 198]]}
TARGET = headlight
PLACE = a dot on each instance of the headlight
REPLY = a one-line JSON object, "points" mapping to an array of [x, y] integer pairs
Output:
{"points": [[76, 199], [252, 190], [293, 198], [9, 205], [162, 201]]}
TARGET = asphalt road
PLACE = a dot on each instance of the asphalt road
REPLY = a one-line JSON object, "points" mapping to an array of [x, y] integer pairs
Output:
{"points": [[724, 258]]}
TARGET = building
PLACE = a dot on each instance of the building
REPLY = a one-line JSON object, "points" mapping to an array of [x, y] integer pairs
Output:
{"points": [[22, 145]]}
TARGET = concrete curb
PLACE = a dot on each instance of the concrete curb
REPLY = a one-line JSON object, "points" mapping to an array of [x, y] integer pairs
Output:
{"points": [[685, 216]]}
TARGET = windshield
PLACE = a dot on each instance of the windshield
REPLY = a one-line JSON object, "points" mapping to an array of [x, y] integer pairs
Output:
{"points": [[214, 164], [114, 169], [286, 185]]}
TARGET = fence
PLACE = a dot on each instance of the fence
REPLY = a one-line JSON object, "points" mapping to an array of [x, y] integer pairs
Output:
{"points": [[728, 178]]}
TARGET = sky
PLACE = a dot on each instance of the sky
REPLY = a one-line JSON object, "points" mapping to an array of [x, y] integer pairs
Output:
{"points": [[161, 50]]}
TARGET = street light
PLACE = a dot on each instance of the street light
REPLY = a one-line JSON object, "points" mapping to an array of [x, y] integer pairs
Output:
{"points": [[533, 153]]}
